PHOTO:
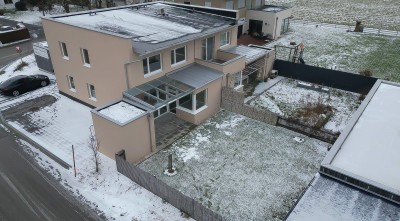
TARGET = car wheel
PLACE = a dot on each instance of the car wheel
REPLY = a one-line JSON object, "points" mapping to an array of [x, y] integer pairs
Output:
{"points": [[43, 83], [15, 93]]}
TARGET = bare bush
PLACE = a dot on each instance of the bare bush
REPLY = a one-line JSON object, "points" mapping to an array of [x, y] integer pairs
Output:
{"points": [[20, 66], [366, 72], [94, 146]]}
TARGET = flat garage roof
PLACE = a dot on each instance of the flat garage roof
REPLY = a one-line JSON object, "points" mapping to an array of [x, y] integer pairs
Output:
{"points": [[369, 149]]}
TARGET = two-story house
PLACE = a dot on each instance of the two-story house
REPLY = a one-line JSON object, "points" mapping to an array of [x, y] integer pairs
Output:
{"points": [[261, 20], [134, 64]]}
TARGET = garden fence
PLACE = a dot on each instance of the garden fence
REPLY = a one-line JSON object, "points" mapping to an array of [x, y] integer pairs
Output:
{"points": [[350, 28], [184, 203]]}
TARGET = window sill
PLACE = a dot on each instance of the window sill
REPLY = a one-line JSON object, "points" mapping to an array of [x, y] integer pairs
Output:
{"points": [[87, 65], [191, 111], [65, 58], [93, 98], [152, 73], [73, 90], [225, 46], [178, 64]]}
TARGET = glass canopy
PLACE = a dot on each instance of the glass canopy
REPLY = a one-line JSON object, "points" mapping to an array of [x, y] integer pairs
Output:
{"points": [[158, 92]]}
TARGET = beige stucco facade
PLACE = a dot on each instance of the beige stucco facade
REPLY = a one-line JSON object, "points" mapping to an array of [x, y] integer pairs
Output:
{"points": [[136, 138]]}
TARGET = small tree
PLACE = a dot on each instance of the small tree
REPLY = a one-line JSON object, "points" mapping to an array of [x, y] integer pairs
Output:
{"points": [[94, 146]]}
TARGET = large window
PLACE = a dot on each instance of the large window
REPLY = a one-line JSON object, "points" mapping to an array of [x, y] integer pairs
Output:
{"points": [[85, 57], [207, 48], [92, 92], [71, 83], [207, 4], [241, 3], [285, 25], [152, 64], [64, 51], [238, 78], [229, 4], [225, 39], [194, 102], [178, 55]]}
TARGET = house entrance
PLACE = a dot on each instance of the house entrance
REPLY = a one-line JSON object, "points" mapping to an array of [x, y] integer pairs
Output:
{"points": [[255, 27]]}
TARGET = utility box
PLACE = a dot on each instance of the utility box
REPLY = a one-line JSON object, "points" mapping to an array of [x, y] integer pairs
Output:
{"points": [[42, 56]]}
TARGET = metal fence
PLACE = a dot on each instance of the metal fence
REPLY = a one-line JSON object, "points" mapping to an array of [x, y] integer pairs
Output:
{"points": [[184, 203], [349, 28]]}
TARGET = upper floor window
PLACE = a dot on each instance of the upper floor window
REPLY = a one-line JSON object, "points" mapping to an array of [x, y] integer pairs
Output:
{"points": [[85, 57], [63, 48], [238, 79], [152, 64], [71, 83], [229, 4], [178, 55], [207, 4], [207, 46], [225, 39], [8, 1], [92, 92], [241, 3]]}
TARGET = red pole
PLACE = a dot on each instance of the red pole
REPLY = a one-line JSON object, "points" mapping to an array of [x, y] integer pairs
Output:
{"points": [[73, 157]]}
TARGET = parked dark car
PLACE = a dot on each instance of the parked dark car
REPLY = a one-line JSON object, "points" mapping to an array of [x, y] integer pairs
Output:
{"points": [[23, 83]]}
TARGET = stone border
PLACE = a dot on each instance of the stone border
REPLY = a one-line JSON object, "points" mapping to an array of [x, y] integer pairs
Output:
{"points": [[34, 143]]}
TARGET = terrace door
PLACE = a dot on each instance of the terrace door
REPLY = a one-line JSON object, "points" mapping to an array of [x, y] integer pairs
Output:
{"points": [[255, 27]]}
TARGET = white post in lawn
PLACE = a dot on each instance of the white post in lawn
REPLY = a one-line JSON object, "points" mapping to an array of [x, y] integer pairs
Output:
{"points": [[19, 51]]}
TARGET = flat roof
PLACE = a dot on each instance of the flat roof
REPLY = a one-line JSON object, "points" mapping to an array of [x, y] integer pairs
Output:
{"points": [[196, 75], [251, 53], [273, 8], [149, 29], [369, 149], [327, 199], [122, 112]]}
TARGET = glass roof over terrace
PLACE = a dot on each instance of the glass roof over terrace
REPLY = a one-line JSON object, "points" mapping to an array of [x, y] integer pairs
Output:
{"points": [[158, 92]]}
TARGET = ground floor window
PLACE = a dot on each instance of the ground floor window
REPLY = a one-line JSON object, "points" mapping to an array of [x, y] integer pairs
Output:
{"points": [[238, 78], [194, 102], [92, 92], [71, 83]]}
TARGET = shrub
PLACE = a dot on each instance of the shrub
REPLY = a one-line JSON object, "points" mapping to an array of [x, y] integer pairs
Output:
{"points": [[366, 72], [2, 11], [20, 66], [20, 6]]}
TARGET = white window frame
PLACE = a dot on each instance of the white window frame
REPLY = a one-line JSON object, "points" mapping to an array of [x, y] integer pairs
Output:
{"points": [[83, 58], [228, 36], [71, 84], [229, 4], [206, 47], [241, 4], [148, 66], [194, 103], [241, 80], [91, 97], [63, 53], [207, 4], [180, 62]]}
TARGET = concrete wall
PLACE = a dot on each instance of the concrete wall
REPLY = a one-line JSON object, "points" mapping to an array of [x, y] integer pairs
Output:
{"points": [[233, 101], [213, 104], [135, 137], [269, 20], [107, 54]]}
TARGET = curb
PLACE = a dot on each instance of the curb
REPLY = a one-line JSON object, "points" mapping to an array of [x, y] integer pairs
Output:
{"points": [[34, 143]]}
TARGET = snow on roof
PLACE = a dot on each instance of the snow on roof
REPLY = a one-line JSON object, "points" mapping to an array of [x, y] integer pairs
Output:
{"points": [[330, 200], [371, 149], [251, 53], [122, 112], [196, 75], [147, 27]]}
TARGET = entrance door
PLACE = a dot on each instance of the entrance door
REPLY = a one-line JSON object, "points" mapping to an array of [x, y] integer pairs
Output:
{"points": [[255, 27], [240, 31]]}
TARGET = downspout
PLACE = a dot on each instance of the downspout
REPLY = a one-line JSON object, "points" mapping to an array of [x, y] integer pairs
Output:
{"points": [[150, 132], [276, 27], [126, 72]]}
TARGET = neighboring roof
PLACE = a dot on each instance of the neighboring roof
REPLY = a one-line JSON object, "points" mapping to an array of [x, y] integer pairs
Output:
{"points": [[330, 200], [368, 150], [149, 30], [252, 53], [273, 8], [196, 75]]}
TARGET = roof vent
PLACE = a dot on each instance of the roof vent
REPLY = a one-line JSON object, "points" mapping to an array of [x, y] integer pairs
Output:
{"points": [[162, 12]]}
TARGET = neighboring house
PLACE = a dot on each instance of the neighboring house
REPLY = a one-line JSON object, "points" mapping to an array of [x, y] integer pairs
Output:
{"points": [[261, 20], [7, 4], [137, 63]]}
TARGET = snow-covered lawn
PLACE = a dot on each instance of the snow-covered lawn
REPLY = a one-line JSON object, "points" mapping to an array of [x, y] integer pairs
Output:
{"points": [[285, 97], [335, 48], [378, 14], [65, 123], [240, 168]]}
